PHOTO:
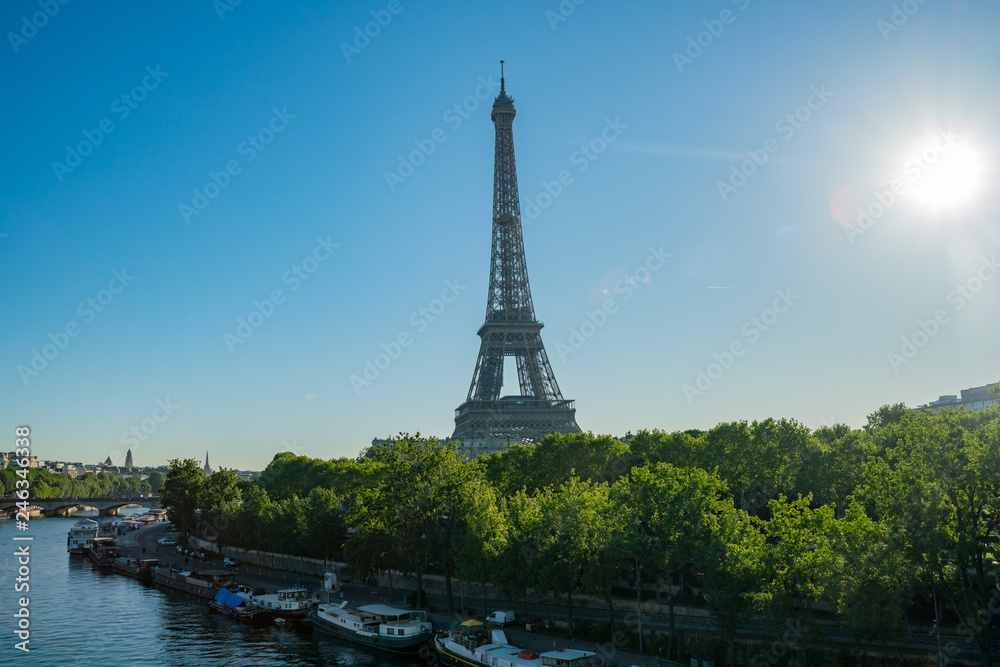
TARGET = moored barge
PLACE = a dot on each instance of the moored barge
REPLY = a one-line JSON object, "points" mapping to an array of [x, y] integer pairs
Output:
{"points": [[460, 650], [375, 625], [204, 584], [137, 568], [290, 604], [233, 606], [103, 551], [80, 536]]}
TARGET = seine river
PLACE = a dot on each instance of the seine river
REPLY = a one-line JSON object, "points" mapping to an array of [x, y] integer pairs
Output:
{"points": [[82, 616]]}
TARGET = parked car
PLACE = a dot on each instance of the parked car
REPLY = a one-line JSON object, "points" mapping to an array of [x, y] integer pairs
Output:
{"points": [[501, 617], [230, 562], [167, 541]]}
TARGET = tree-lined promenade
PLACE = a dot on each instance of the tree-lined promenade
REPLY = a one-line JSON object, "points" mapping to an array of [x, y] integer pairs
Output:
{"points": [[764, 519]]}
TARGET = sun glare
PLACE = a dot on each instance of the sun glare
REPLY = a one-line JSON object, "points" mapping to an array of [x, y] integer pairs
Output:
{"points": [[949, 178]]}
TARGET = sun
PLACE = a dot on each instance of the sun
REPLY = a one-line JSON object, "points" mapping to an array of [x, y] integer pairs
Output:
{"points": [[949, 178]]}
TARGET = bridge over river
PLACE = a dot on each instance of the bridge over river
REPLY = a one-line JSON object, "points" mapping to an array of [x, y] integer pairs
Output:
{"points": [[106, 505]]}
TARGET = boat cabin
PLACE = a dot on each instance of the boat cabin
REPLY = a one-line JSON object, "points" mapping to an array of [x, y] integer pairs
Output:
{"points": [[567, 658]]}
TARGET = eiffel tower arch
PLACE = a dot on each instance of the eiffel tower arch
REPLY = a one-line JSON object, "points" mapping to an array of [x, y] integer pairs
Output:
{"points": [[511, 328]]}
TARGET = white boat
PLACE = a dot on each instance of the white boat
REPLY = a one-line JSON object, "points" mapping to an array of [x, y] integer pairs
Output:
{"points": [[80, 536], [375, 625], [291, 604], [459, 650]]}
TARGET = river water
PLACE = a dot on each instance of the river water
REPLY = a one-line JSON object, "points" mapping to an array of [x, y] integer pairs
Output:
{"points": [[82, 616]]}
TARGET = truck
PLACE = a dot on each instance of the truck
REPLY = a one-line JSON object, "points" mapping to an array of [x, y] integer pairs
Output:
{"points": [[501, 617]]}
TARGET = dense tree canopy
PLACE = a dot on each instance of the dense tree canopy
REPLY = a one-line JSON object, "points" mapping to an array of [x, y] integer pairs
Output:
{"points": [[761, 518], [45, 484]]}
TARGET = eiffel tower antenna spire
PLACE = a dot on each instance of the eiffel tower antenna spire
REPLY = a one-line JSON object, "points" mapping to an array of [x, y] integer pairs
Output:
{"points": [[511, 328]]}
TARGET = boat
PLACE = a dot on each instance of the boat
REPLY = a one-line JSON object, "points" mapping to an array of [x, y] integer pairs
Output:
{"points": [[80, 535], [375, 625], [103, 551], [204, 584], [233, 606], [458, 649], [137, 568], [291, 604]]}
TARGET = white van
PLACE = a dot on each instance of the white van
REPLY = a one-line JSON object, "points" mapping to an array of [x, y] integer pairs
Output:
{"points": [[501, 617]]}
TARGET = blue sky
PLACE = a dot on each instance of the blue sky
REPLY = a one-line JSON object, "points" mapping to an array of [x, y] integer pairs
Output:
{"points": [[643, 124]]}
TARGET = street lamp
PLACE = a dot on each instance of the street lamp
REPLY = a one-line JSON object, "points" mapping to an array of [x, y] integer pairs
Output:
{"points": [[638, 600], [937, 628]]}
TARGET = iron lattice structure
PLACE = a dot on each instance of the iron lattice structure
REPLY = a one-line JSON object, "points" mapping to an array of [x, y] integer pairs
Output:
{"points": [[510, 329]]}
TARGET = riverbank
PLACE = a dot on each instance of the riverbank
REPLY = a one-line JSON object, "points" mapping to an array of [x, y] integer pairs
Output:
{"points": [[359, 594], [696, 632]]}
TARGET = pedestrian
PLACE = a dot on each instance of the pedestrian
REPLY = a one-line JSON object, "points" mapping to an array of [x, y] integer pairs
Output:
{"points": [[532, 628], [659, 656]]}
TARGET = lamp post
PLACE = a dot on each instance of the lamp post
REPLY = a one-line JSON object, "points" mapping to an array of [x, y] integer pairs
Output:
{"points": [[638, 600], [937, 629]]}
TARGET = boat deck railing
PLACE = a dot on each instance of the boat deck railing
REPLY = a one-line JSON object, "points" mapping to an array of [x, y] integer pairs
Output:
{"points": [[465, 641]]}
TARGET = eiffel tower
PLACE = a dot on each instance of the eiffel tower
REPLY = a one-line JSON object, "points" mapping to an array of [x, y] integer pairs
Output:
{"points": [[510, 329]]}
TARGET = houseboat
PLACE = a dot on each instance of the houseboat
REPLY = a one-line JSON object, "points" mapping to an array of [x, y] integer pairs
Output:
{"points": [[204, 584], [103, 551], [290, 604], [137, 568], [232, 605], [460, 650], [80, 536], [375, 625]]}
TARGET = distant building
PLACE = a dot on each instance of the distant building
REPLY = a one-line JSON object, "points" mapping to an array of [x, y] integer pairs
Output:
{"points": [[11, 459], [476, 447], [108, 463], [975, 398], [208, 469], [128, 459]]}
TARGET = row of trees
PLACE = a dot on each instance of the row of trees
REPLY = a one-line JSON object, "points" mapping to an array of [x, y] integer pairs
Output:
{"points": [[45, 484], [761, 519]]}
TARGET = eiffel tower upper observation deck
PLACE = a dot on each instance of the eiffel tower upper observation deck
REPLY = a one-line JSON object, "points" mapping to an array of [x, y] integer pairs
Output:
{"points": [[510, 329]]}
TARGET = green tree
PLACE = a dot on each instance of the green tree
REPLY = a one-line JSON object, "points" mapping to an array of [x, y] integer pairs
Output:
{"points": [[757, 461], [571, 530], [155, 480], [325, 523], [671, 520], [218, 499], [414, 498], [838, 468], [939, 490], [681, 449], [517, 567], [872, 579], [797, 563], [886, 415], [481, 538], [181, 492]]}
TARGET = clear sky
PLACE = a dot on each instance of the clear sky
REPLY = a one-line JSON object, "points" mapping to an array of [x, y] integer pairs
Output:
{"points": [[168, 168]]}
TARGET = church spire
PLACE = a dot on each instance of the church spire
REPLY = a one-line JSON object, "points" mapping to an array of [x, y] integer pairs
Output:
{"points": [[208, 469]]}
